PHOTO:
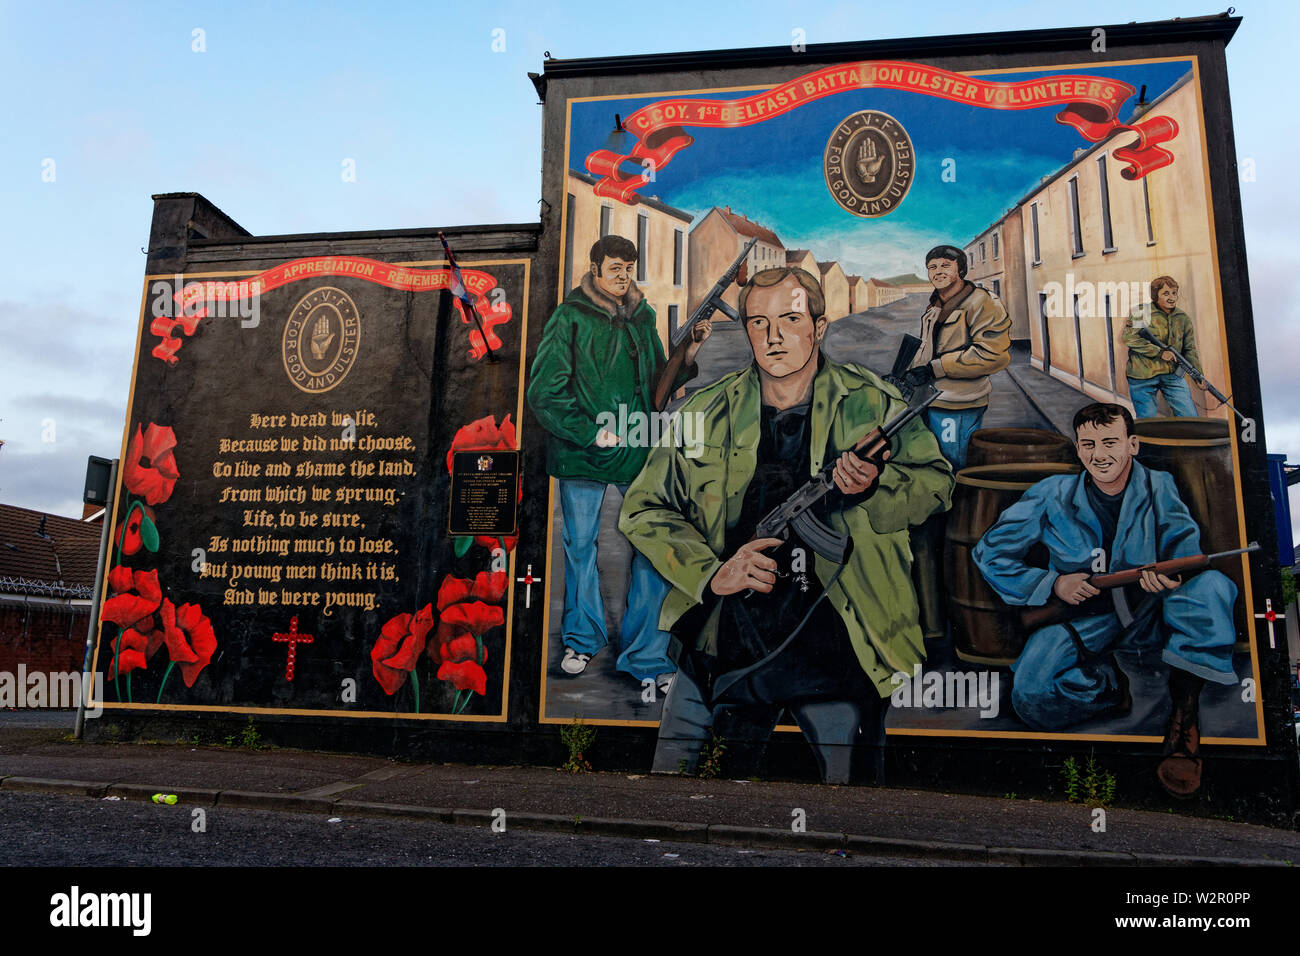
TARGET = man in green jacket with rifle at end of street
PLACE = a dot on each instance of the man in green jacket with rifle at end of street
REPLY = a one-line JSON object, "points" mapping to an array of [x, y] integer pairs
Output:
{"points": [[1152, 370], [768, 624], [597, 364]]}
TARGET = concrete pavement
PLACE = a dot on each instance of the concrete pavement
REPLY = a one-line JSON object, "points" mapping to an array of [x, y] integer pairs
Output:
{"points": [[882, 821]]}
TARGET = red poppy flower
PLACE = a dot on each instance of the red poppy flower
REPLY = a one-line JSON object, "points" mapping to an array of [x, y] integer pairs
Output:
{"points": [[475, 617], [483, 435], [401, 641], [189, 637], [136, 595], [453, 590], [132, 649], [463, 648], [153, 481], [490, 586], [128, 535], [464, 675], [487, 586]]}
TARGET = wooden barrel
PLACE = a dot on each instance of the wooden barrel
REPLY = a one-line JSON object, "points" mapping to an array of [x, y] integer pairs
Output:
{"points": [[1198, 453], [985, 629], [1005, 446]]}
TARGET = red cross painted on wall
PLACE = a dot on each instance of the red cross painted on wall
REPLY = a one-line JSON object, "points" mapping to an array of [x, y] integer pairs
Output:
{"points": [[293, 639]]}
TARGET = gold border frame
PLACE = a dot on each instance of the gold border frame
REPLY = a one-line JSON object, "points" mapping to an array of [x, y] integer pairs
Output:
{"points": [[1253, 637], [500, 718]]}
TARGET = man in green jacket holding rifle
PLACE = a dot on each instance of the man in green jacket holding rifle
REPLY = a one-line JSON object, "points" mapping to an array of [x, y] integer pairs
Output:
{"points": [[767, 624], [598, 362], [1152, 371]]}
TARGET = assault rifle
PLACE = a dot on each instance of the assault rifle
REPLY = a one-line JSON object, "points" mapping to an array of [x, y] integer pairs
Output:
{"points": [[1055, 610], [794, 513], [1186, 367], [713, 302], [907, 350]]}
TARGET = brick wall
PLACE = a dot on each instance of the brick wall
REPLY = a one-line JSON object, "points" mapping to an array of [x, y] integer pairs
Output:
{"points": [[39, 637]]}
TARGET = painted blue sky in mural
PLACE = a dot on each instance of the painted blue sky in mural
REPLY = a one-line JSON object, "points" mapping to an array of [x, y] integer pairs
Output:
{"points": [[771, 172]]}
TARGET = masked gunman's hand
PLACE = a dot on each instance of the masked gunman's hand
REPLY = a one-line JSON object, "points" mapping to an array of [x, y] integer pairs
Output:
{"points": [[853, 476], [606, 439], [699, 335], [749, 569], [1074, 588]]}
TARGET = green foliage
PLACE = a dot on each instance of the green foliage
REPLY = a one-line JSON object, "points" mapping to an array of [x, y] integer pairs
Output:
{"points": [[1088, 784], [1288, 589], [681, 766], [248, 737], [578, 737], [711, 758], [1010, 796]]}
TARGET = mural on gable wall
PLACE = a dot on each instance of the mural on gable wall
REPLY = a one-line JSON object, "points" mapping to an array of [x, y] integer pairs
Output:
{"points": [[981, 315], [281, 538]]}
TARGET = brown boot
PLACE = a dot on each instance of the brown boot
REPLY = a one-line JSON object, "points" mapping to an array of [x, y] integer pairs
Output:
{"points": [[1180, 770]]}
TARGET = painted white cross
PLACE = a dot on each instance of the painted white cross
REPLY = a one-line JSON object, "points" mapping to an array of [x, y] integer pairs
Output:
{"points": [[1271, 615], [528, 581]]}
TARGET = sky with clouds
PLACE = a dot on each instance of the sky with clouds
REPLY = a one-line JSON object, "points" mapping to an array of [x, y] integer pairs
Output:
{"points": [[443, 130], [772, 171]]}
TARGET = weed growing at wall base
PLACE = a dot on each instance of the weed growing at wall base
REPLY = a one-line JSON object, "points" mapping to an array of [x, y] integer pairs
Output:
{"points": [[1088, 783], [578, 737]]}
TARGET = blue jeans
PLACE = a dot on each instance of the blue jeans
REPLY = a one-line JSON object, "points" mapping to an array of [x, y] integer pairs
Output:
{"points": [[1060, 682], [645, 646], [953, 427], [1143, 393]]}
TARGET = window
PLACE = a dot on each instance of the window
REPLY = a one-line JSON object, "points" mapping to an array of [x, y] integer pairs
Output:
{"points": [[1078, 337], [604, 221], [672, 321], [1033, 214], [997, 288], [983, 257], [1107, 236], [679, 256], [642, 240], [1110, 342], [995, 245], [1146, 202], [1076, 229], [569, 205], [1045, 330]]}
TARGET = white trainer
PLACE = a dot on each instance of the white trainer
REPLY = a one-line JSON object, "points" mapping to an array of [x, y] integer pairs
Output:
{"points": [[574, 663]]}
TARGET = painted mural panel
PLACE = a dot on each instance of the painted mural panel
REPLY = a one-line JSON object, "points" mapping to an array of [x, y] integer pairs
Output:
{"points": [[882, 401], [281, 539]]}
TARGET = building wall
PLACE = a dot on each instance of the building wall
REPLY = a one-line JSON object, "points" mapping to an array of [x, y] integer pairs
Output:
{"points": [[715, 245], [658, 286], [47, 637], [879, 295], [1013, 283], [1082, 350], [835, 286], [807, 262], [857, 295]]}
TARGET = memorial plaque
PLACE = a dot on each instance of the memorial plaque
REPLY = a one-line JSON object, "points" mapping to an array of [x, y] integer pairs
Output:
{"points": [[484, 493]]}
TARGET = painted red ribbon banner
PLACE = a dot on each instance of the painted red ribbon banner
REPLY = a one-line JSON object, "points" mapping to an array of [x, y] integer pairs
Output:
{"points": [[192, 300], [1091, 103]]}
